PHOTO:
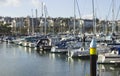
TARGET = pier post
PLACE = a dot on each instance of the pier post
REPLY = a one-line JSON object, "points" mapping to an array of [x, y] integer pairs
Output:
{"points": [[93, 57]]}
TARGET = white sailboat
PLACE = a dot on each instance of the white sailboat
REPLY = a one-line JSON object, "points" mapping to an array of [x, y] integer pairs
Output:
{"points": [[113, 56], [80, 52]]}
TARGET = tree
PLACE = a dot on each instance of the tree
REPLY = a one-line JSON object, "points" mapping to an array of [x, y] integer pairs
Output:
{"points": [[5, 29]]}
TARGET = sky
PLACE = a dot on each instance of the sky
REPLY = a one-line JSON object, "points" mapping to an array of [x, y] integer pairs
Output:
{"points": [[60, 8]]}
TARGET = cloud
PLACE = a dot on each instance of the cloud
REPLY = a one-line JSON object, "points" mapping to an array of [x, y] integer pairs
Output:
{"points": [[14, 3], [2, 2], [36, 3]]}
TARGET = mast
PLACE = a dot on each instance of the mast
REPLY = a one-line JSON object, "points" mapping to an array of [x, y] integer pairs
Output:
{"points": [[42, 10], [36, 13], [32, 23], [36, 19], [81, 23], [94, 25], [45, 18], [28, 29], [113, 19], [41, 20], [74, 17]]}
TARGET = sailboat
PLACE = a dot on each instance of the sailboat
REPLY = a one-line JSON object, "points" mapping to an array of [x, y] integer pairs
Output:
{"points": [[70, 43], [80, 52], [44, 43], [113, 55]]}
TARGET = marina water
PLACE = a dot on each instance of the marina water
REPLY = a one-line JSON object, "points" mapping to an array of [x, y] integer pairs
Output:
{"points": [[22, 61]]}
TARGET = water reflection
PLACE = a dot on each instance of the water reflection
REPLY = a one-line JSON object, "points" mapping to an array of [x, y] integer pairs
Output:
{"points": [[41, 53], [24, 61], [71, 67], [78, 66], [109, 70], [29, 50]]}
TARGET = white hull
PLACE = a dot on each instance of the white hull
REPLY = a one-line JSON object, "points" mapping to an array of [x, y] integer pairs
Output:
{"points": [[32, 45], [79, 53], [109, 58], [58, 50]]}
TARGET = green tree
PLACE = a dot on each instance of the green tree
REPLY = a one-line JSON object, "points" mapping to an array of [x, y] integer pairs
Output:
{"points": [[5, 29]]}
